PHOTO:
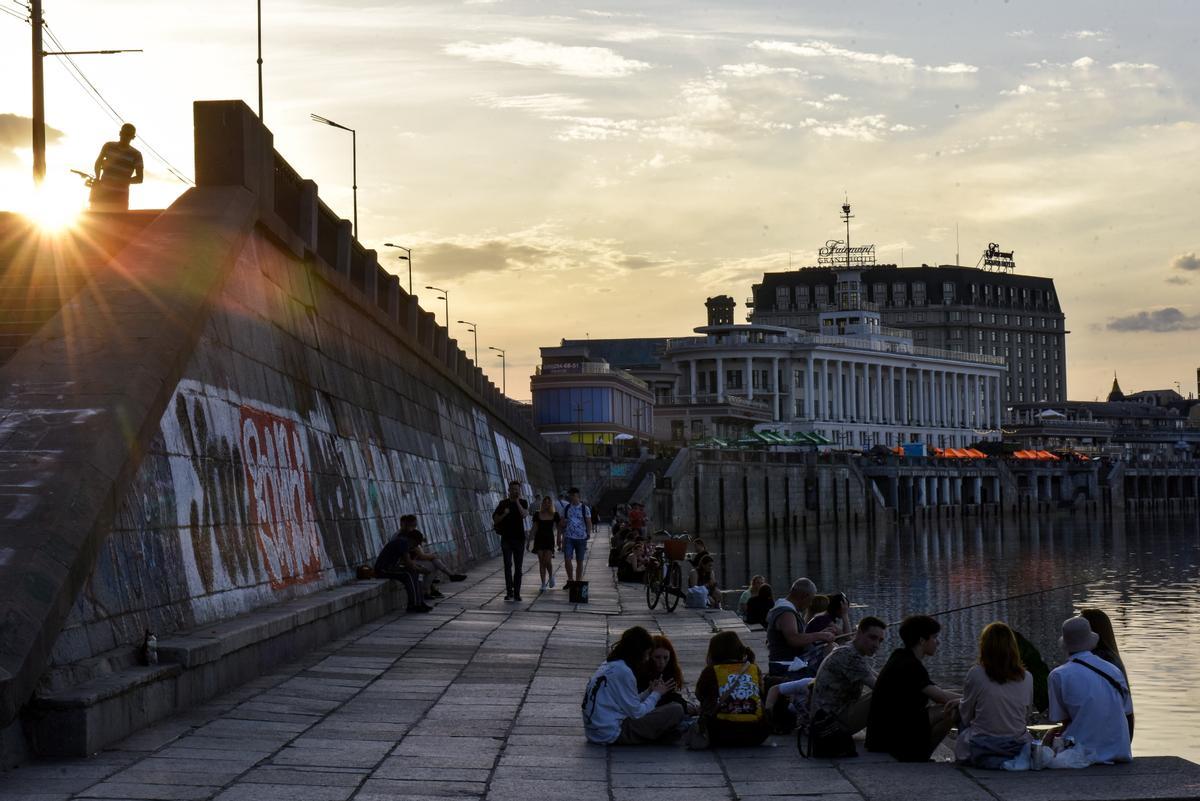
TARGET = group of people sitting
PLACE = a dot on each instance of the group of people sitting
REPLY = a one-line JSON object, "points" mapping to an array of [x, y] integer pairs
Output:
{"points": [[404, 559], [831, 691], [633, 553]]}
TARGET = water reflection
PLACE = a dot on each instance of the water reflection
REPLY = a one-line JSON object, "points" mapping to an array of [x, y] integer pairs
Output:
{"points": [[1142, 572]]}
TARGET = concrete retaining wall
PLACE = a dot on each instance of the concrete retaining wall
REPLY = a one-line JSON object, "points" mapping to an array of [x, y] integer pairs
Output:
{"points": [[299, 433]]}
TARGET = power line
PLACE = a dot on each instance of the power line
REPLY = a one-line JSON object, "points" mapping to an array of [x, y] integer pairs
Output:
{"points": [[98, 98], [14, 14]]}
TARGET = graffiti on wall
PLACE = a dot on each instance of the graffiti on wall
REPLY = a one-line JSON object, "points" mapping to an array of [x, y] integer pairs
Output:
{"points": [[280, 497]]}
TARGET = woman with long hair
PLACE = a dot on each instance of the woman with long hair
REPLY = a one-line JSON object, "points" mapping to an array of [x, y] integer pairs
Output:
{"points": [[663, 664], [1107, 648], [614, 712], [545, 530], [730, 692], [997, 697]]}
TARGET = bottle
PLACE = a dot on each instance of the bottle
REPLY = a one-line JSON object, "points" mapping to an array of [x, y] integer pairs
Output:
{"points": [[150, 648]]}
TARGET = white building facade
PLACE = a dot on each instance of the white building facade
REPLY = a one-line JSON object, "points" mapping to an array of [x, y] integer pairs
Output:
{"points": [[855, 382]]}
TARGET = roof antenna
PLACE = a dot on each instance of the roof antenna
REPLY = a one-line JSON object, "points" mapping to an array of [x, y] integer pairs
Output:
{"points": [[956, 244]]}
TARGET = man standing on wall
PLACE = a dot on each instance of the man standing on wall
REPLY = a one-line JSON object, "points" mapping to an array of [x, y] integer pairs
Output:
{"points": [[509, 522], [577, 530], [118, 165]]}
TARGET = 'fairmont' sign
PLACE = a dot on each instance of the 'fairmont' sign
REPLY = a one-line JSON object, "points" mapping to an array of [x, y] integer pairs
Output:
{"points": [[834, 254]]}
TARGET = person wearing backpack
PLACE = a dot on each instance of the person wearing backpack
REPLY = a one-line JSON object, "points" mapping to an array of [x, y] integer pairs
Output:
{"points": [[730, 693], [614, 712], [576, 526]]}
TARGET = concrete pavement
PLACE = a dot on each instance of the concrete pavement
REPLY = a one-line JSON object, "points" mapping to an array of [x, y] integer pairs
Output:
{"points": [[480, 700]]}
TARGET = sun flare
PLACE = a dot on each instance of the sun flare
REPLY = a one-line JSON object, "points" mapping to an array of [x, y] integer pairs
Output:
{"points": [[55, 206]]}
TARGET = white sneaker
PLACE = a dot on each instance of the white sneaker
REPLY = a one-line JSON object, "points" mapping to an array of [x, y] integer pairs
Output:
{"points": [[543, 589], [550, 583]]}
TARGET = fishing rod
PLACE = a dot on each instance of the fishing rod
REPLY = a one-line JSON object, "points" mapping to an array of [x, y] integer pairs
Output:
{"points": [[1008, 598]]}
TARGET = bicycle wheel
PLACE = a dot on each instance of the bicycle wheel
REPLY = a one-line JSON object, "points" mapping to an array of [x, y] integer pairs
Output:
{"points": [[674, 588], [654, 587]]}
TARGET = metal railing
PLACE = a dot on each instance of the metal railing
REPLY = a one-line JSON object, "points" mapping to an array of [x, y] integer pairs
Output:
{"points": [[592, 368], [712, 399]]}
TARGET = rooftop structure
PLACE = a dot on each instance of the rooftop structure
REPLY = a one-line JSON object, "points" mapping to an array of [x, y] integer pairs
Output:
{"points": [[579, 395]]}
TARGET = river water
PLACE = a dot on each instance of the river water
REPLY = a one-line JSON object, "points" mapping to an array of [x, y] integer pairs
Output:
{"points": [[1144, 572]]}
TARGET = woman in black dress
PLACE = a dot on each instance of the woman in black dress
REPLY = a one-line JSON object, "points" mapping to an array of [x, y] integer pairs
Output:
{"points": [[545, 531]]}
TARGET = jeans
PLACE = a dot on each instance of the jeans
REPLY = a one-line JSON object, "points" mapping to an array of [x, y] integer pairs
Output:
{"points": [[513, 552]]}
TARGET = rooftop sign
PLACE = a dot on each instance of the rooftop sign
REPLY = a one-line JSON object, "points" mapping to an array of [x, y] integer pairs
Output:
{"points": [[995, 258], [835, 254]]}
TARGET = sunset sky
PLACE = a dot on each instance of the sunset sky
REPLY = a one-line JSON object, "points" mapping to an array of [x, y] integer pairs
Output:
{"points": [[573, 169]]}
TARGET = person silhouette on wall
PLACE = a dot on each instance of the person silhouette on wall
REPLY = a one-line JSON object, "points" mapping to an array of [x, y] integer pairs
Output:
{"points": [[118, 165]]}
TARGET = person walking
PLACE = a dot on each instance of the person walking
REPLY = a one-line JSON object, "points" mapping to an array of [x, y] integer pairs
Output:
{"points": [[545, 534], [509, 521], [576, 525], [118, 165]]}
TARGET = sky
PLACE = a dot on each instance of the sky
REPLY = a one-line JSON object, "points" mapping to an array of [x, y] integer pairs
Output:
{"points": [[600, 168]]}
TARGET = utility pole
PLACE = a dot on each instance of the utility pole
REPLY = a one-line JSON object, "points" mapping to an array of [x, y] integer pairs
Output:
{"points": [[503, 369], [39, 95], [260, 93]]}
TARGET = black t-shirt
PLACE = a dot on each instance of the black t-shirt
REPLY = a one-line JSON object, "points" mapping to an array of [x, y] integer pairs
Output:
{"points": [[392, 556], [898, 722], [756, 610], [512, 527]]}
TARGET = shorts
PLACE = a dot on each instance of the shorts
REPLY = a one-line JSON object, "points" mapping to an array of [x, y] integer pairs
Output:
{"points": [[573, 548]]}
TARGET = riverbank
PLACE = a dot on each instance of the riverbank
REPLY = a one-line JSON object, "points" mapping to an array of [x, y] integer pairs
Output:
{"points": [[480, 700]]}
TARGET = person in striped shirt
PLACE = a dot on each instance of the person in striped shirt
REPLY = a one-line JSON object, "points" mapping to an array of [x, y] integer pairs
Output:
{"points": [[118, 165]]}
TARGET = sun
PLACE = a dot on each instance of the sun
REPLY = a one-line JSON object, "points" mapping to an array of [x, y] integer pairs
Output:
{"points": [[56, 205]]}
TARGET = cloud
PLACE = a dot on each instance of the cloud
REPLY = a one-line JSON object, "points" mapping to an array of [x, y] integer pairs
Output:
{"points": [[540, 250], [816, 48], [868, 128], [16, 133], [1128, 66], [1023, 89], [1158, 321], [1024, 33], [543, 105], [1086, 35], [1179, 280], [586, 62], [1083, 63], [754, 70], [1188, 262]]}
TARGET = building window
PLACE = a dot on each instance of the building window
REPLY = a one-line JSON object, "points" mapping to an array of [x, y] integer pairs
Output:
{"points": [[802, 296], [993, 336], [918, 317], [1006, 319], [955, 317], [1020, 339], [822, 294], [733, 379], [918, 293], [899, 293], [956, 333], [783, 298], [993, 319], [920, 335], [900, 318], [879, 293], [947, 292]]}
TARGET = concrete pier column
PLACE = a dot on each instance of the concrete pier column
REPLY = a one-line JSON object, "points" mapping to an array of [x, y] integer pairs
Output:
{"points": [[720, 379], [904, 417], [823, 375], [749, 378], [775, 384], [852, 392], [692, 375]]}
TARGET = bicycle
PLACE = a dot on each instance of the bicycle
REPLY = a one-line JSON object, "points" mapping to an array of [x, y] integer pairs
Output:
{"points": [[664, 578]]}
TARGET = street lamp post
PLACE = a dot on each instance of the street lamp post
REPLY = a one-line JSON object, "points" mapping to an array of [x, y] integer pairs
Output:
{"points": [[353, 160], [406, 257], [446, 297], [503, 369], [474, 330]]}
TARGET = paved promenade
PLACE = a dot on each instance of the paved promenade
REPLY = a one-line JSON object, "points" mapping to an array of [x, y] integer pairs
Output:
{"points": [[480, 700]]}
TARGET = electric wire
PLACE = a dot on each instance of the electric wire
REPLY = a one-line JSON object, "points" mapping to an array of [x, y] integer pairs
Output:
{"points": [[23, 17], [97, 97]]}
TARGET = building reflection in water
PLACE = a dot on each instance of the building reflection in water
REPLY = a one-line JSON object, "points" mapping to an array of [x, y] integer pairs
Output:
{"points": [[1142, 571]]}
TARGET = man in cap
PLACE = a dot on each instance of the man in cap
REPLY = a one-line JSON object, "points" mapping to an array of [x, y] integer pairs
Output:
{"points": [[1089, 697]]}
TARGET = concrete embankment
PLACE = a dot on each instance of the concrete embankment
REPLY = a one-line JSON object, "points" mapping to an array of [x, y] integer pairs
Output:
{"points": [[480, 700], [228, 413]]}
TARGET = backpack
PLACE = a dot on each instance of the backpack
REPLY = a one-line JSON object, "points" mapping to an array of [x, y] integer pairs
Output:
{"points": [[822, 737], [740, 698]]}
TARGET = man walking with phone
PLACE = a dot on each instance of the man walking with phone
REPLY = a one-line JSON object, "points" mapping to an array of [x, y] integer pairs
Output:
{"points": [[509, 522]]}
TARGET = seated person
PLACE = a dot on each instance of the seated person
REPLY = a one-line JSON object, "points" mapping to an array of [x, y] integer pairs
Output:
{"points": [[748, 593], [901, 720], [838, 689], [818, 606], [663, 664], [703, 575], [1106, 649], [786, 638], [758, 606], [614, 712], [637, 518], [730, 694], [1089, 698], [699, 549], [408, 524], [997, 697], [395, 562], [836, 615]]}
